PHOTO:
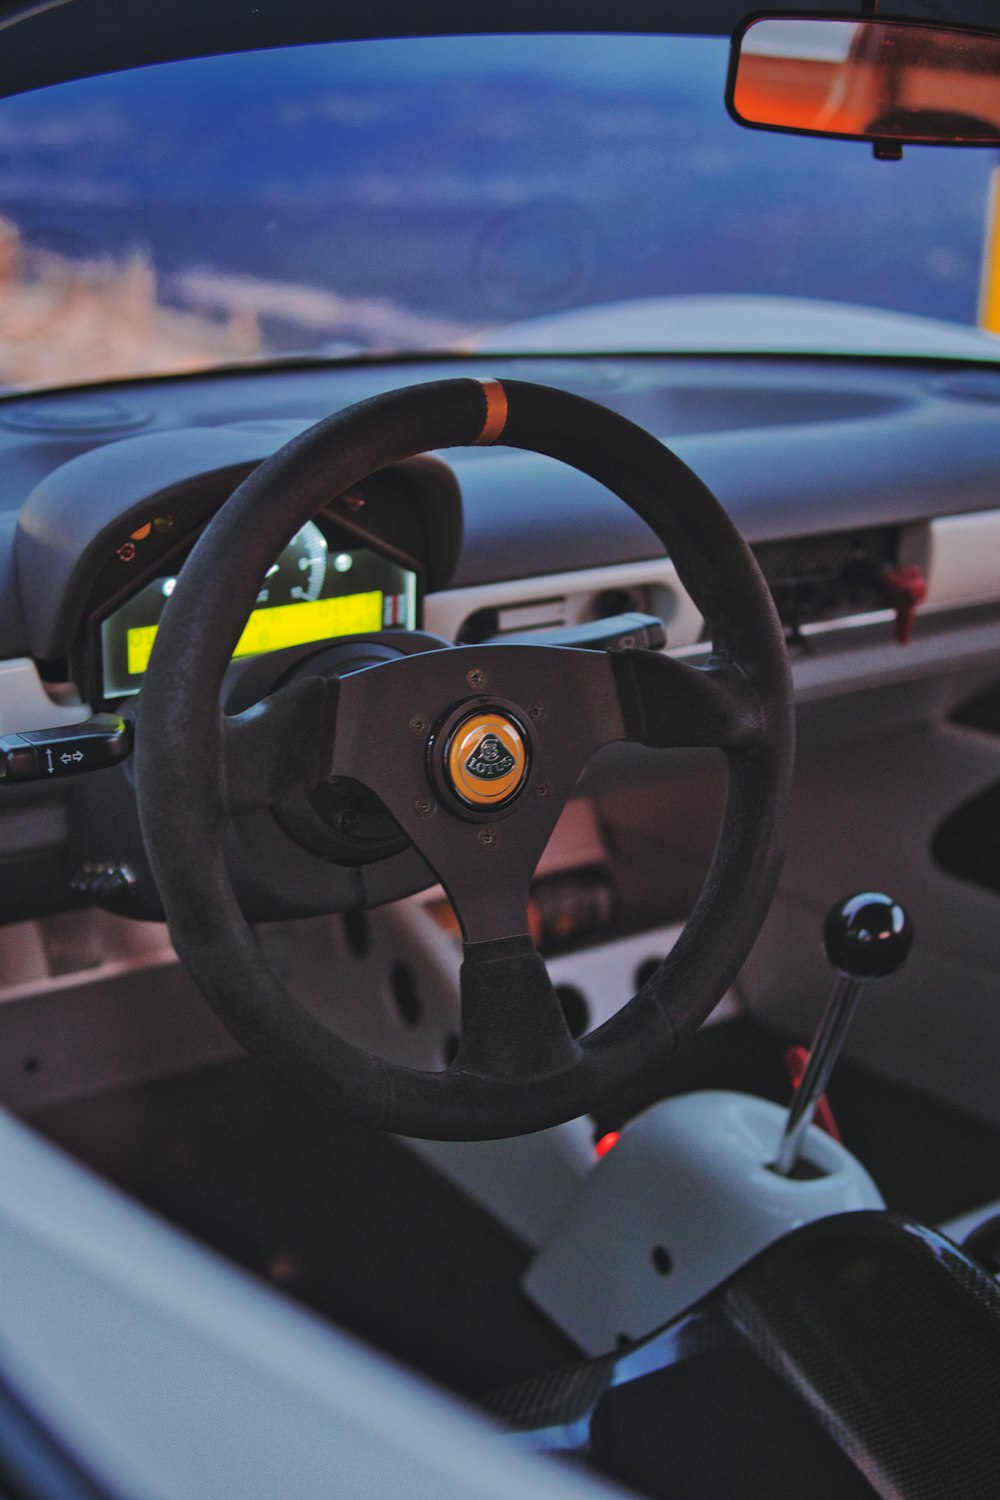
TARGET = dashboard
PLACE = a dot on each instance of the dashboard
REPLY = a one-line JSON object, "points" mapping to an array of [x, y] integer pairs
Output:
{"points": [[842, 474]]}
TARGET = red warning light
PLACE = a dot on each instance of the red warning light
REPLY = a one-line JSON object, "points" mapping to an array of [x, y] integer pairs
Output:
{"points": [[126, 551], [604, 1145], [796, 1061]]}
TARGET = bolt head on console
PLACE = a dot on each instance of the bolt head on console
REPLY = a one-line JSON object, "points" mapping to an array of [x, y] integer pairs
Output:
{"points": [[867, 936]]}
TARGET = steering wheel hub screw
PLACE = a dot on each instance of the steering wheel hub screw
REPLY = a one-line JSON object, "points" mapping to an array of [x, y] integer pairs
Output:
{"points": [[536, 710], [543, 789], [487, 837], [476, 678], [424, 806], [419, 724]]}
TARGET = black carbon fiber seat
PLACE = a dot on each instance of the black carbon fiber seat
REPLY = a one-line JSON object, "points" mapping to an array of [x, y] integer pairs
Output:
{"points": [[858, 1356]]}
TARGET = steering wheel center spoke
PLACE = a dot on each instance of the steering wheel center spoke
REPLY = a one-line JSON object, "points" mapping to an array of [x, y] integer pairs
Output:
{"points": [[475, 752]]}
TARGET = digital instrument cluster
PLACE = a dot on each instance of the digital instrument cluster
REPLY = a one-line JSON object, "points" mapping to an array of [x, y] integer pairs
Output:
{"points": [[312, 592]]}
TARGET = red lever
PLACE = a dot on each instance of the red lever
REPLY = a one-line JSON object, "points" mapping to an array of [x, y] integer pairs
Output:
{"points": [[796, 1061], [907, 589]]}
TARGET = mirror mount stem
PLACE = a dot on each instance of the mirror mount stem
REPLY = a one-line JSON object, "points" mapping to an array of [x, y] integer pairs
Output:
{"points": [[887, 150]]}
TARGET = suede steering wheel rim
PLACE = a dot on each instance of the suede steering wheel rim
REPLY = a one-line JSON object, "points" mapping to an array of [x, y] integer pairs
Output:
{"points": [[517, 1068]]}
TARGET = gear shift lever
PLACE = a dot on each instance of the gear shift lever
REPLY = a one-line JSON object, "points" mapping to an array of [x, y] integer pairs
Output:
{"points": [[692, 1192], [867, 937]]}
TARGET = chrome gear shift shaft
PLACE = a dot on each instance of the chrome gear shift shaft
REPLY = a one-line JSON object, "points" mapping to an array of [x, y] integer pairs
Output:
{"points": [[867, 937]]}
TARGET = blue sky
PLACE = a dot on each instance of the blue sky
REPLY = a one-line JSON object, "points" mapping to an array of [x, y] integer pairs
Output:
{"points": [[485, 179]]}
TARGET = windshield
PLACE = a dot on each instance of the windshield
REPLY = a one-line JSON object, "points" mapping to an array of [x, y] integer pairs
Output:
{"points": [[379, 197]]}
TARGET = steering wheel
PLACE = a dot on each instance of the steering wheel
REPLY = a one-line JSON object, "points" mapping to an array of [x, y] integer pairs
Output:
{"points": [[474, 750]]}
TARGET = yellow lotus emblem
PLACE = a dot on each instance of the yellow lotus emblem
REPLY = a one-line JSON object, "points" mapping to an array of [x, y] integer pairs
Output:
{"points": [[486, 759]]}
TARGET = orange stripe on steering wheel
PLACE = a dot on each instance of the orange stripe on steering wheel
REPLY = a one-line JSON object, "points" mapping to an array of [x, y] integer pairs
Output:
{"points": [[496, 412]]}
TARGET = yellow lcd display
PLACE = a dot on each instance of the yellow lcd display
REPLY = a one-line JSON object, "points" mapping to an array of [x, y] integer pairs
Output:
{"points": [[285, 625]]}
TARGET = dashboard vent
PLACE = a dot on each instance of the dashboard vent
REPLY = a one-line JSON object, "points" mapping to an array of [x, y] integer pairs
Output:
{"points": [[533, 614], [516, 606]]}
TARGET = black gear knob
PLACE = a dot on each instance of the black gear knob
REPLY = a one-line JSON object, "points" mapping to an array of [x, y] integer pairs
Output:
{"points": [[867, 936]]}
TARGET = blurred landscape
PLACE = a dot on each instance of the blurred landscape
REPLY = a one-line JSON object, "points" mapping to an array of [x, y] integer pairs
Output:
{"points": [[66, 319], [371, 197]]}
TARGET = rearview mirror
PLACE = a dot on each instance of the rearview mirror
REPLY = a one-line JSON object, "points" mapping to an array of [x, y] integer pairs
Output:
{"points": [[890, 81]]}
